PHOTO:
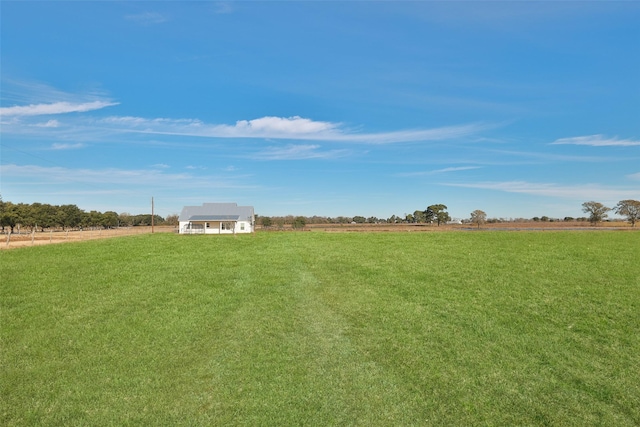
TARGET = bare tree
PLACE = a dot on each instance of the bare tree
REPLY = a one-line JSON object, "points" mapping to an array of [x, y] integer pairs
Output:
{"points": [[478, 217], [597, 211], [173, 219], [630, 209]]}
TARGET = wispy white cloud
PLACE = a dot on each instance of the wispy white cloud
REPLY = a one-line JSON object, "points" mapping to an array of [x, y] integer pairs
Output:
{"points": [[456, 169], [89, 176], [546, 157], [579, 192], [54, 108], [634, 176], [104, 178], [434, 134], [223, 7], [49, 124], [298, 152], [294, 127], [439, 171], [64, 146], [287, 125], [596, 141], [34, 100], [146, 18], [265, 127], [25, 92]]}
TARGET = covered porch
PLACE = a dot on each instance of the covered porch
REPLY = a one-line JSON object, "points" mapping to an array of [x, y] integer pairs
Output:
{"points": [[211, 224]]}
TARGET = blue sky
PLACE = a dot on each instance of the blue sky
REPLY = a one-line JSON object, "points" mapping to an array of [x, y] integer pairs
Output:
{"points": [[520, 109]]}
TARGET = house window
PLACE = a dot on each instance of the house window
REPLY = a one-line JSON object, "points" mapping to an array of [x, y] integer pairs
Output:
{"points": [[227, 226], [242, 226], [207, 225]]}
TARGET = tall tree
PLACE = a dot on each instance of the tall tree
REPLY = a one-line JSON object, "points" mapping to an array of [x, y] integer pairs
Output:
{"points": [[92, 219], [419, 216], [629, 209], [27, 214], [478, 217], [266, 221], [125, 219], [172, 219], [69, 216], [359, 219], [109, 219], [45, 215], [597, 211], [8, 215], [299, 222], [437, 213]]}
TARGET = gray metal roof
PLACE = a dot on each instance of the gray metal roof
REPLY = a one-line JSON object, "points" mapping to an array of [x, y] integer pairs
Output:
{"points": [[226, 211], [214, 217]]}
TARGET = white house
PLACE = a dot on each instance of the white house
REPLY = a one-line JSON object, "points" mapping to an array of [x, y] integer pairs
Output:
{"points": [[217, 218]]}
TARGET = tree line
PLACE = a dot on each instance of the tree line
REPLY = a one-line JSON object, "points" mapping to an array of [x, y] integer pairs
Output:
{"points": [[437, 213], [433, 214], [42, 216], [629, 209]]}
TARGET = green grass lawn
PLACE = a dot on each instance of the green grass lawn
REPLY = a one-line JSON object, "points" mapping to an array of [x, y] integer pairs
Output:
{"points": [[452, 328]]}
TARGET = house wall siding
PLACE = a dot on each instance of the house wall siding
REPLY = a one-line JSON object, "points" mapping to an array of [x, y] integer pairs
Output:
{"points": [[215, 227]]}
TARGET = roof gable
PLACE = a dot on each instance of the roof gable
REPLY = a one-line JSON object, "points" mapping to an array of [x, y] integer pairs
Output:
{"points": [[214, 217]]}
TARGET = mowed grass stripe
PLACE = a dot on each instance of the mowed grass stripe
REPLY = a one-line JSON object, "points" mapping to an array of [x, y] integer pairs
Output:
{"points": [[486, 317], [333, 329]]}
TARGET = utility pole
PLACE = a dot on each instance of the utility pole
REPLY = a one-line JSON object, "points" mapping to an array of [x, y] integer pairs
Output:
{"points": [[152, 214]]}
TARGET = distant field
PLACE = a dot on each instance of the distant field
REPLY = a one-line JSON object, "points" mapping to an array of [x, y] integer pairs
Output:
{"points": [[451, 328], [507, 225]]}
